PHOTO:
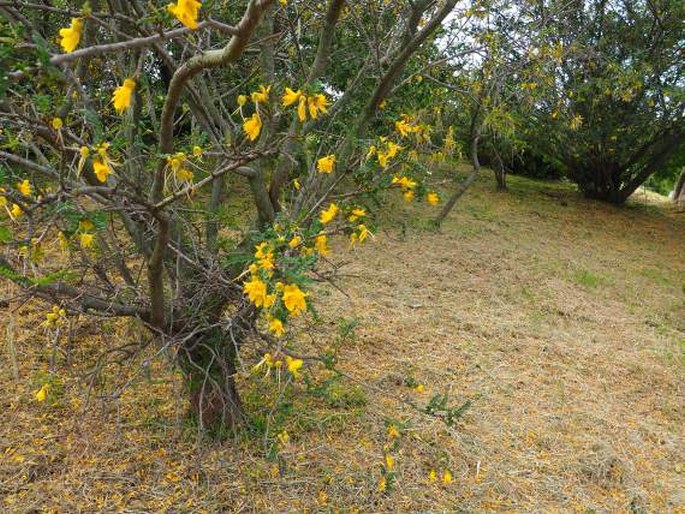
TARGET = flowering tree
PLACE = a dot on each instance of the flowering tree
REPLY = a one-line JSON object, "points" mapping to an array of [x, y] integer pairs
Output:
{"points": [[192, 169]]}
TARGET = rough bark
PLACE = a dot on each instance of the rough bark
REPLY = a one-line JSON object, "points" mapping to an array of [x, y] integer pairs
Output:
{"points": [[679, 190]]}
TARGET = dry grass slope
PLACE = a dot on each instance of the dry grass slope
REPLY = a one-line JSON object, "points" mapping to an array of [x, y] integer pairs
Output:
{"points": [[563, 320]]}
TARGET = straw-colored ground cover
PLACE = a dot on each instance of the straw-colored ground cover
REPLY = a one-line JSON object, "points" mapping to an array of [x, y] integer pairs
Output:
{"points": [[561, 319]]}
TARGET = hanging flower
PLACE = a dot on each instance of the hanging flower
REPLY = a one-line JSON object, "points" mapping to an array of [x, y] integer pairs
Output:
{"points": [[42, 394], [71, 35], [294, 299], [101, 168], [321, 244], [330, 213], [261, 95], [302, 109], [253, 126], [290, 97], [186, 11], [294, 366], [24, 187], [326, 164], [122, 95], [276, 327]]}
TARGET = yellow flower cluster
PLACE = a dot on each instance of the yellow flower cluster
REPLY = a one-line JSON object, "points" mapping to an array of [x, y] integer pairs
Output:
{"points": [[385, 152], [177, 164], [86, 238], [102, 164], [276, 361], [56, 317], [313, 105], [293, 298], [24, 187], [360, 235], [252, 126], [329, 214]]}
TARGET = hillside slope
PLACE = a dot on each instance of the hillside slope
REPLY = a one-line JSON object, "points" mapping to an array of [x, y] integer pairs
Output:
{"points": [[561, 319]]}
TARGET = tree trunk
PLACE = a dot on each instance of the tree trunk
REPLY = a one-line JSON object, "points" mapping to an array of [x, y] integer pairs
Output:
{"points": [[679, 190], [208, 362], [500, 171], [463, 186]]}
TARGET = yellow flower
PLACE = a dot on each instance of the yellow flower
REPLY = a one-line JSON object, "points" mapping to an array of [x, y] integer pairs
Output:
{"points": [[297, 185], [432, 476], [267, 262], [3, 199], [403, 128], [321, 244], [276, 327], [408, 196], [404, 182], [256, 291], [57, 123], [330, 213], [382, 485], [317, 104], [122, 95], [176, 161], [186, 11], [283, 438], [63, 241], [253, 126], [86, 240], [290, 97], [302, 109], [576, 122], [447, 477], [86, 225], [242, 100], [71, 35], [389, 462], [392, 149], [294, 299], [101, 168], [326, 164], [197, 151], [16, 211], [263, 250], [372, 151], [24, 187], [433, 198], [295, 241], [84, 153], [364, 233], [393, 433], [419, 388], [184, 175], [262, 95], [356, 214], [42, 393], [294, 365]]}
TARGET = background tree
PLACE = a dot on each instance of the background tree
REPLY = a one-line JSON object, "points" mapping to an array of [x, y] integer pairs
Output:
{"points": [[613, 114]]}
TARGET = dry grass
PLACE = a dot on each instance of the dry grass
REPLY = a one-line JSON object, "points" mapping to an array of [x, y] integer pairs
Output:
{"points": [[562, 319]]}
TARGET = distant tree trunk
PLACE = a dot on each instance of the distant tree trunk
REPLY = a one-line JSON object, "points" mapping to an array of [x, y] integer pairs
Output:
{"points": [[500, 170], [679, 190], [464, 185]]}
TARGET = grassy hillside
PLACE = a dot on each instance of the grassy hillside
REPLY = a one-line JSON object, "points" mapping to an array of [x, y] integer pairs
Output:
{"points": [[561, 319]]}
